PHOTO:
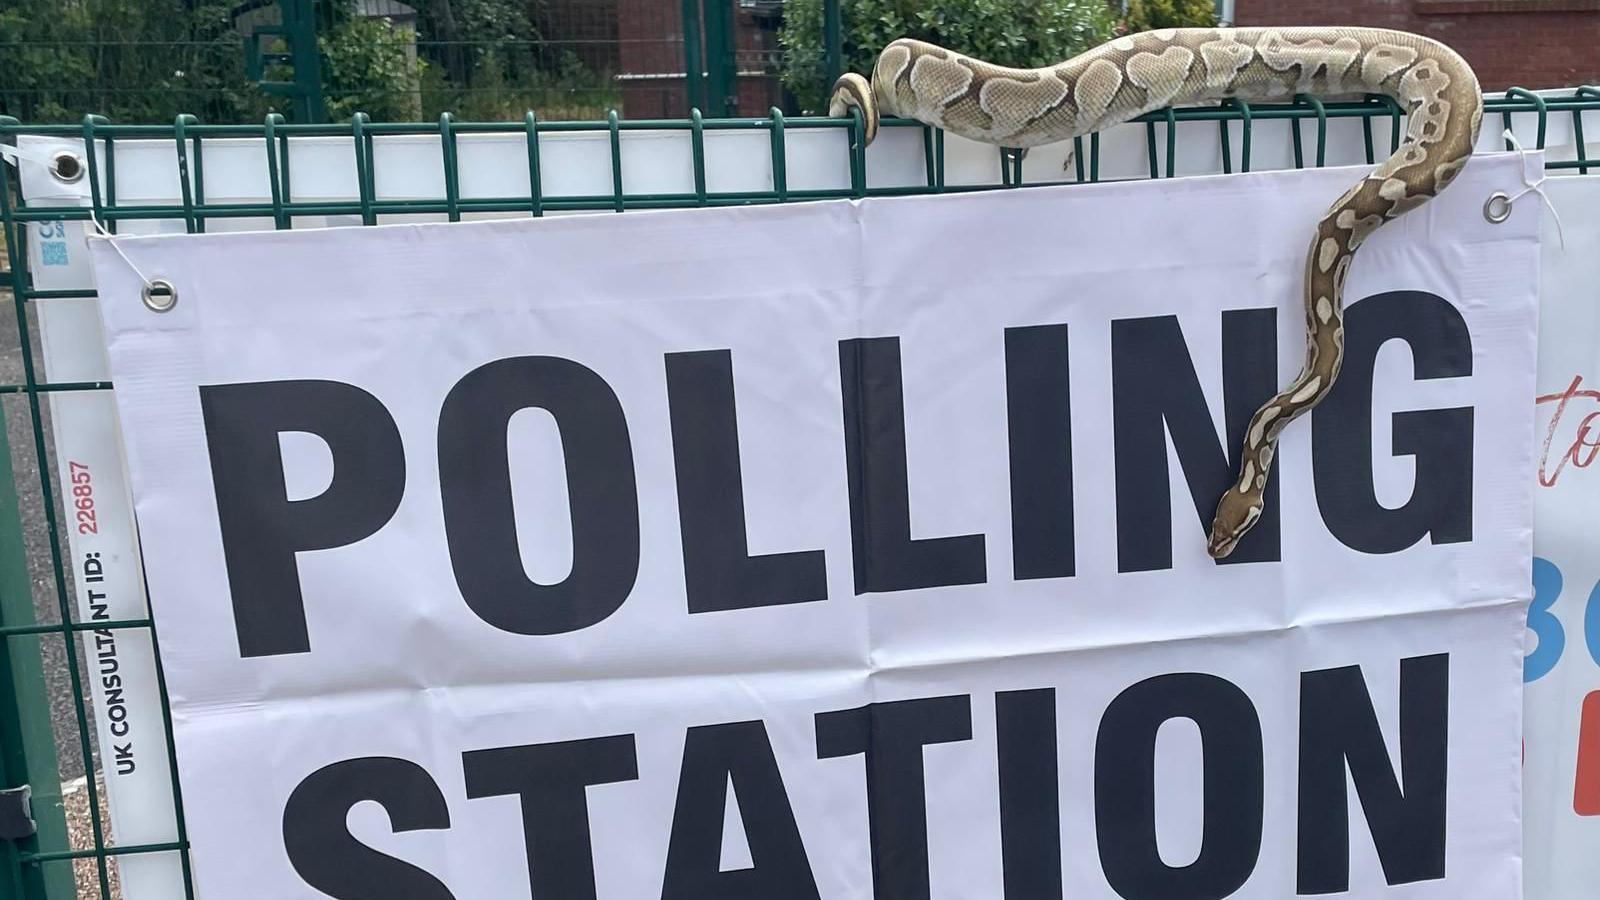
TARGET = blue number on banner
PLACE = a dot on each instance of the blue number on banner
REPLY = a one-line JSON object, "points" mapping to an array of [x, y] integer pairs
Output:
{"points": [[1591, 624], [1544, 624]]}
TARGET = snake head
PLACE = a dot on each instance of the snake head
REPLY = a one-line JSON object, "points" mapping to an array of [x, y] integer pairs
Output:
{"points": [[1236, 515]]}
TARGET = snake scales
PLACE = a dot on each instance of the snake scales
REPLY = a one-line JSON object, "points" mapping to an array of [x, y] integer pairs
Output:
{"points": [[1132, 75]]}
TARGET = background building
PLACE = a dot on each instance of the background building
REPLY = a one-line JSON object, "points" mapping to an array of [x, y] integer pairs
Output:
{"points": [[1526, 43]]}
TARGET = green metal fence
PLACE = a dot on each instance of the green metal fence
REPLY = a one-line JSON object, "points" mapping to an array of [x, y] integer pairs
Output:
{"points": [[42, 866]]}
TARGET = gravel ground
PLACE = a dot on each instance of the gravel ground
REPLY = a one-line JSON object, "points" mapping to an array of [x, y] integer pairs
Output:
{"points": [[75, 796]]}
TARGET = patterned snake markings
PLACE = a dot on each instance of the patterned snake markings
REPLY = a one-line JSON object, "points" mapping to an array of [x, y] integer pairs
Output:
{"points": [[1136, 74]]}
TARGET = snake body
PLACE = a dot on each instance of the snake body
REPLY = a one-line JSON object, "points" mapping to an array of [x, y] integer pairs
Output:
{"points": [[1136, 74]]}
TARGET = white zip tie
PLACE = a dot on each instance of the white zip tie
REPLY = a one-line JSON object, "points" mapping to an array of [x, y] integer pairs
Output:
{"points": [[1534, 186], [99, 232], [16, 156]]}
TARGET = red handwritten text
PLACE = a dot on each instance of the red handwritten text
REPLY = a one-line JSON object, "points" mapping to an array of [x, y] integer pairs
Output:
{"points": [[1585, 444]]}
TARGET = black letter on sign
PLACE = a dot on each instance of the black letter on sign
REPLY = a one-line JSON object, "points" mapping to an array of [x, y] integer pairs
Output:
{"points": [[1439, 439], [1125, 795], [1030, 794], [1039, 422], [717, 565], [330, 859], [551, 780], [886, 558], [892, 736], [475, 479], [779, 870], [262, 528], [1154, 393], [1339, 729]]}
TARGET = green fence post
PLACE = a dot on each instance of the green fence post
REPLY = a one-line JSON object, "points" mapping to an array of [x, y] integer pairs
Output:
{"points": [[721, 64], [27, 746], [298, 32], [299, 19], [694, 78]]}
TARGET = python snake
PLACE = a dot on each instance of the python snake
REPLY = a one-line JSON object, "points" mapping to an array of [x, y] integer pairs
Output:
{"points": [[1140, 73]]}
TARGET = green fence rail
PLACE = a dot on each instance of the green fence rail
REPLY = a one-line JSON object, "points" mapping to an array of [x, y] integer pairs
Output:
{"points": [[42, 867]]}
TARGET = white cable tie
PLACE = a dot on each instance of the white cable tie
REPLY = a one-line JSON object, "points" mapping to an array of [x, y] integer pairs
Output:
{"points": [[1534, 186], [16, 156], [99, 232]]}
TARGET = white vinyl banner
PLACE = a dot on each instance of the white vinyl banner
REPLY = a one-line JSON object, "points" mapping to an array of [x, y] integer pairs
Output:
{"points": [[104, 559], [1563, 664], [839, 550]]}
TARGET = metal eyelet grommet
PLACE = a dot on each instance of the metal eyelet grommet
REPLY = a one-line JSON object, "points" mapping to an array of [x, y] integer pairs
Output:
{"points": [[1497, 208], [160, 296], [67, 167]]}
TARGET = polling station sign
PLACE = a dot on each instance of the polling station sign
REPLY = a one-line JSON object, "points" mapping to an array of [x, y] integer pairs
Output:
{"points": [[839, 550]]}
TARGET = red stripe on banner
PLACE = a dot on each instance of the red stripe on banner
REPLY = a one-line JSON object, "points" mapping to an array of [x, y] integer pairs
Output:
{"points": [[1586, 796]]}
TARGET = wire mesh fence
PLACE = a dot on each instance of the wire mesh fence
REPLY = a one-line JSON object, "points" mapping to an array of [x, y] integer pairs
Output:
{"points": [[608, 61]]}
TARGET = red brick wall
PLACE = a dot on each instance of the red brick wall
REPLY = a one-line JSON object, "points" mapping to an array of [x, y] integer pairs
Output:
{"points": [[651, 36], [1523, 43], [756, 37]]}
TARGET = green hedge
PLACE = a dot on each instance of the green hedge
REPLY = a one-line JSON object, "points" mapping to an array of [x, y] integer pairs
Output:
{"points": [[1023, 33]]}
